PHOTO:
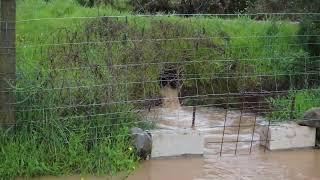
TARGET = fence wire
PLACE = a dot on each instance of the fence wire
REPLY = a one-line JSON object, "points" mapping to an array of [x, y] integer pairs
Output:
{"points": [[235, 76]]}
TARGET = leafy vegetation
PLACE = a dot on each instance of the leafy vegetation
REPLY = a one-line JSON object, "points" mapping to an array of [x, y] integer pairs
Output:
{"points": [[286, 6], [60, 130], [294, 105], [191, 6], [212, 6]]}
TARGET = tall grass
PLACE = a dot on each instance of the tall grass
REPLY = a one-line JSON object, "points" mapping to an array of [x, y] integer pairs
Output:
{"points": [[294, 105], [56, 133]]}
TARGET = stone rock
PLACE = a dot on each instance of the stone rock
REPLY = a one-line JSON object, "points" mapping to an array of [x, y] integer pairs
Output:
{"points": [[310, 123], [311, 118], [142, 141]]}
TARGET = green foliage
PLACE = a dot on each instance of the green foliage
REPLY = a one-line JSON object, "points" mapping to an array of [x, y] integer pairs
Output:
{"points": [[48, 152], [61, 132], [308, 38], [171, 6], [87, 3], [214, 35], [294, 105], [91, 3], [117, 4], [286, 6], [309, 34], [303, 100], [191, 6]]}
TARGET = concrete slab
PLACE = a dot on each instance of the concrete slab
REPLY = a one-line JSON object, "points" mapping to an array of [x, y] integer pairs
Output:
{"points": [[287, 136], [176, 143]]}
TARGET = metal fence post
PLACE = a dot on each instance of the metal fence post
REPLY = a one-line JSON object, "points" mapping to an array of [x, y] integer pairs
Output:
{"points": [[193, 116]]}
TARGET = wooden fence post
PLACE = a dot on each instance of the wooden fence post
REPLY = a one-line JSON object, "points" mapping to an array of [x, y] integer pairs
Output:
{"points": [[7, 61]]}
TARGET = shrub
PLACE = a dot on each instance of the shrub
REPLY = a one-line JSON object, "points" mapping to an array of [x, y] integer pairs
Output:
{"points": [[285, 6], [117, 4], [308, 38], [91, 3], [309, 34], [294, 105], [191, 6]]}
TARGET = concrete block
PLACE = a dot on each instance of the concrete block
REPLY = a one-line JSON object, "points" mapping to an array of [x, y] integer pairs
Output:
{"points": [[167, 143], [287, 136]]}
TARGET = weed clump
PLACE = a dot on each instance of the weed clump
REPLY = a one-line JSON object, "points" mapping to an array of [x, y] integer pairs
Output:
{"points": [[293, 106]]}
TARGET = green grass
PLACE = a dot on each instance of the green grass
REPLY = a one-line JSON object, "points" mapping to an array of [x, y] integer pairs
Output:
{"points": [[294, 105], [53, 147], [53, 141], [234, 40], [75, 120]]}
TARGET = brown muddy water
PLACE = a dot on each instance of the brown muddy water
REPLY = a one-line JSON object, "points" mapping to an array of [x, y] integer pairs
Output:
{"points": [[303, 164], [239, 130], [282, 165], [238, 156]]}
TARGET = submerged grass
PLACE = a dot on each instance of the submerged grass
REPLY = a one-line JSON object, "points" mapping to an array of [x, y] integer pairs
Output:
{"points": [[80, 82]]}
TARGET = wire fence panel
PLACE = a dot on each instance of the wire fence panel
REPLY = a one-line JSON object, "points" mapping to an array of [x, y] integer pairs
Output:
{"points": [[227, 75]]}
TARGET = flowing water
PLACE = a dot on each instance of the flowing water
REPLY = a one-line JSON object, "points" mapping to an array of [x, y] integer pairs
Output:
{"points": [[238, 131], [227, 133], [278, 165]]}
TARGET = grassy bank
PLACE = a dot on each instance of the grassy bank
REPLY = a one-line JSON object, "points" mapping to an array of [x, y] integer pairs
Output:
{"points": [[81, 81], [57, 132]]}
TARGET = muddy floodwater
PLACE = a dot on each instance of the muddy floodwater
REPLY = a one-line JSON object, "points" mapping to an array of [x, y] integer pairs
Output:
{"points": [[284, 165], [301, 164], [232, 147]]}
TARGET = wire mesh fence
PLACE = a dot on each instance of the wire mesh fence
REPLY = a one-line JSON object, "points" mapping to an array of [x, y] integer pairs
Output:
{"points": [[225, 74]]}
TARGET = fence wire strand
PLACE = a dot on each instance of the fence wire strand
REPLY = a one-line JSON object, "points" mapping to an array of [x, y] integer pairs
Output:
{"points": [[119, 82]]}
